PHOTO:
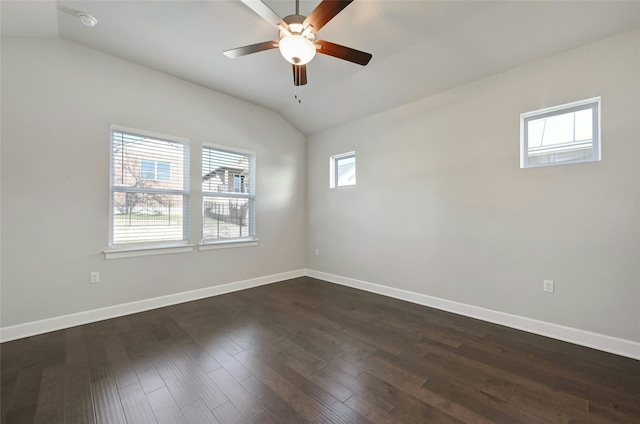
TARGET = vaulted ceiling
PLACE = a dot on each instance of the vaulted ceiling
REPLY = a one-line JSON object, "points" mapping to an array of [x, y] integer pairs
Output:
{"points": [[419, 47]]}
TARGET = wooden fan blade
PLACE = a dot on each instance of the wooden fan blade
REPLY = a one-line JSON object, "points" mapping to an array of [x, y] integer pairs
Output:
{"points": [[265, 12], [253, 48], [324, 12], [342, 52], [299, 75]]}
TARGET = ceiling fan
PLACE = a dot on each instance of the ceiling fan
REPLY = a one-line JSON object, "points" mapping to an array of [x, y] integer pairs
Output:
{"points": [[297, 37]]}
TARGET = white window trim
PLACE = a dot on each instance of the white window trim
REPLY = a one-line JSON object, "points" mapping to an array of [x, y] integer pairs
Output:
{"points": [[567, 107], [229, 243], [333, 175], [147, 249]]}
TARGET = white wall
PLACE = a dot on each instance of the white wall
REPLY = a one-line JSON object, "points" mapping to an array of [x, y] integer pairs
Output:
{"points": [[58, 101], [442, 208]]}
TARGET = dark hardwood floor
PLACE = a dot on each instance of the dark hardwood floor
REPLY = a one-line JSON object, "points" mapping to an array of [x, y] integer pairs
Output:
{"points": [[307, 351]]}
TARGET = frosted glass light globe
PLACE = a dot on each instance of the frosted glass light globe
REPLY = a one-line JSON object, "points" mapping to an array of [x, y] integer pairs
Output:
{"points": [[297, 49]]}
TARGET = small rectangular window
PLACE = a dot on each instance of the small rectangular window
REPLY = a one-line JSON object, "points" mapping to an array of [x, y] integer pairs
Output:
{"points": [[228, 194], [155, 170], [147, 170], [342, 170], [562, 134], [146, 204], [163, 171]]}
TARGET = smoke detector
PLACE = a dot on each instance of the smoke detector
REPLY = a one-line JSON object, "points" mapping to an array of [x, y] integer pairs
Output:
{"points": [[87, 19]]}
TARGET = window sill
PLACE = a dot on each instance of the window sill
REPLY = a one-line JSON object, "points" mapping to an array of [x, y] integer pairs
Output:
{"points": [[227, 244], [149, 250]]}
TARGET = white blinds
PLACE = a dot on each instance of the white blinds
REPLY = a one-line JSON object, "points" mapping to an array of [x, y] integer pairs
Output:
{"points": [[228, 194], [149, 188]]}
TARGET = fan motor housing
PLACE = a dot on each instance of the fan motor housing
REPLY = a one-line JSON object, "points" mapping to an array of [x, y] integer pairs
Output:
{"points": [[295, 24]]}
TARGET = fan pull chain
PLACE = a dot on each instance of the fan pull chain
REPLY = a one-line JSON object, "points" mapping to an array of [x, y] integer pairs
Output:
{"points": [[295, 94]]}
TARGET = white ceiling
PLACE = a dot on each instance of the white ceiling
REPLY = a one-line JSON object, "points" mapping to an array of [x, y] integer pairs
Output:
{"points": [[419, 47]]}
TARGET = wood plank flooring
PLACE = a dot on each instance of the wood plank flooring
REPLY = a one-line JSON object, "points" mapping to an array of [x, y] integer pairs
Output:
{"points": [[308, 351]]}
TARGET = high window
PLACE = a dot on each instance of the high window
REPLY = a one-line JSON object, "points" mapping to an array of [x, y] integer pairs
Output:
{"points": [[149, 188], [228, 194], [342, 170], [563, 134]]}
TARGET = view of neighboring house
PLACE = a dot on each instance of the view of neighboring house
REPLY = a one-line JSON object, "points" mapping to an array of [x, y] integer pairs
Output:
{"points": [[147, 182], [225, 217]]}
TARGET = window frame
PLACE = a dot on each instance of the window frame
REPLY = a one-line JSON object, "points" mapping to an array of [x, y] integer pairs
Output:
{"points": [[593, 104], [119, 250], [333, 169], [251, 239]]}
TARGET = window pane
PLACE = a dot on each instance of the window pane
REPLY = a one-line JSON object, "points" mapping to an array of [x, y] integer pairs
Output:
{"points": [[225, 218], [558, 129], [346, 171], [561, 134], [145, 217], [147, 204], [536, 130], [220, 169], [238, 184], [135, 161], [584, 125], [228, 203], [575, 155], [147, 170], [163, 171]]}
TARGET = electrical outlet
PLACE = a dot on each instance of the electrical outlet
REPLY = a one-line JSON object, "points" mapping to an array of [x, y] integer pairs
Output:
{"points": [[95, 277], [548, 286]]}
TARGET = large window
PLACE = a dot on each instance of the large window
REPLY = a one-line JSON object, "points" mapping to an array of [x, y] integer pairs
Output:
{"points": [[149, 201], [563, 134], [342, 170], [228, 194]]}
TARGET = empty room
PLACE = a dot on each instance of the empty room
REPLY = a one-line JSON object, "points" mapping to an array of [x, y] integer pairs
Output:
{"points": [[319, 211]]}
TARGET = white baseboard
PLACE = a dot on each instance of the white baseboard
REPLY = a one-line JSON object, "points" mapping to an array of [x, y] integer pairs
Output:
{"points": [[609, 344], [58, 323], [572, 335]]}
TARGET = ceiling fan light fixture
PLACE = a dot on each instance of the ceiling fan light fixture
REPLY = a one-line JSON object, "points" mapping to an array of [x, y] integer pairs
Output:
{"points": [[297, 37], [296, 27], [297, 49], [283, 31]]}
